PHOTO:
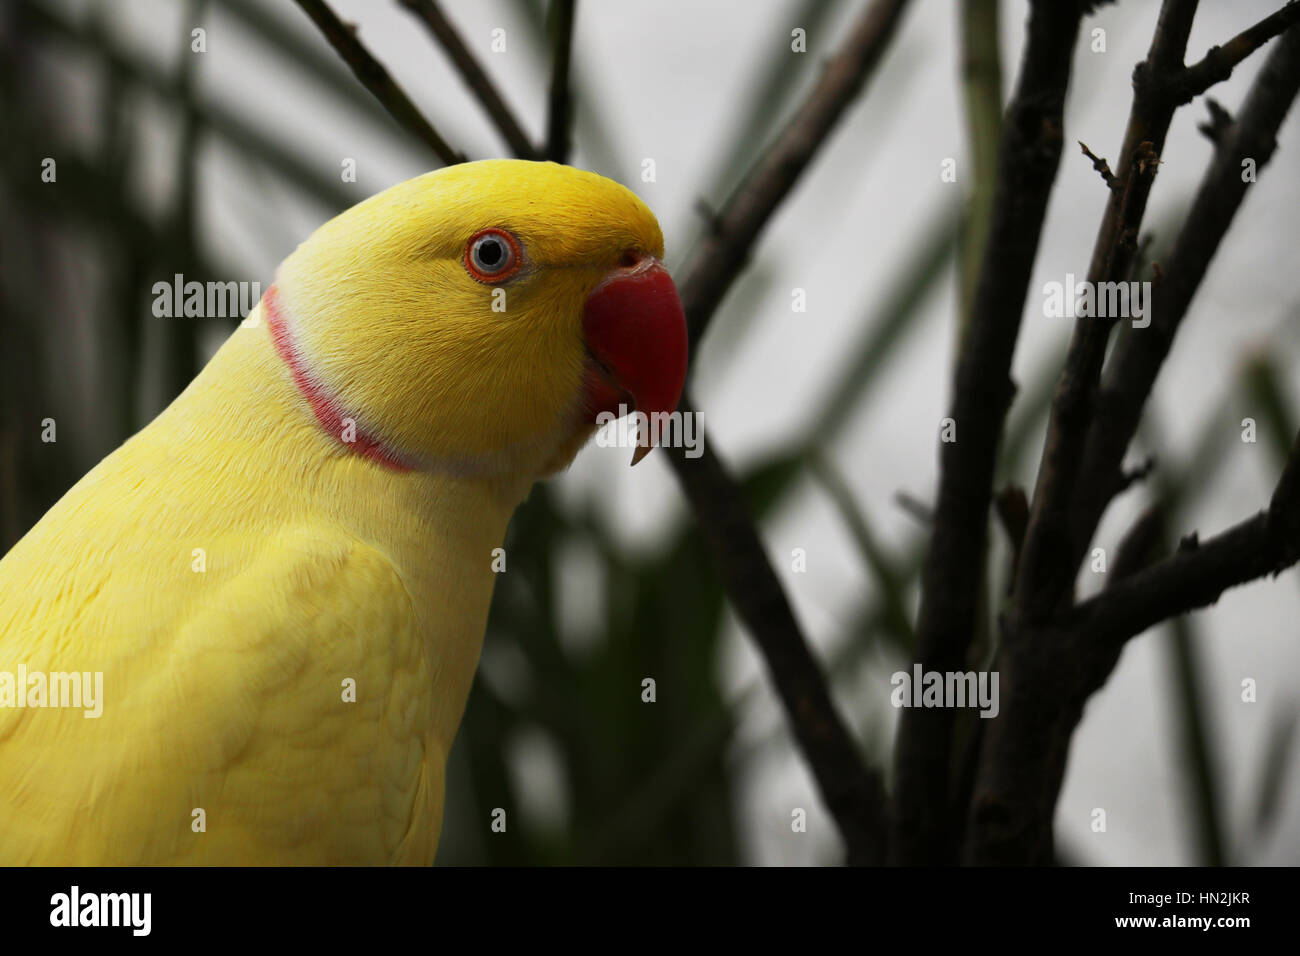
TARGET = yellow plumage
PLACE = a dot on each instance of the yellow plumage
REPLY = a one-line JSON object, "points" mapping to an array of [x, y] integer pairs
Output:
{"points": [[224, 687]]}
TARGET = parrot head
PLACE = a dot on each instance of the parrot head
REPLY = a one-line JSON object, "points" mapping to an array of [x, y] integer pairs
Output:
{"points": [[479, 318]]}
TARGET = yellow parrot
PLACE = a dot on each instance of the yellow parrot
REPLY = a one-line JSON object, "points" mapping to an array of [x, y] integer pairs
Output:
{"points": [[284, 579]]}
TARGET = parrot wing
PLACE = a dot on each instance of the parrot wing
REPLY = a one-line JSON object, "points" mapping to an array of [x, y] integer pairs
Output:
{"points": [[283, 718]]}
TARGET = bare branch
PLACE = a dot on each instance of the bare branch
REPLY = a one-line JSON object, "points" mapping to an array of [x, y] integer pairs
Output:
{"points": [[1219, 121], [1139, 472], [561, 105], [376, 79], [914, 508], [892, 586], [1100, 165], [1056, 540], [1053, 658], [854, 795], [1139, 357], [1028, 158], [476, 78], [1219, 62], [1012, 507], [1137, 545], [722, 255], [1049, 565], [1199, 572], [980, 22]]}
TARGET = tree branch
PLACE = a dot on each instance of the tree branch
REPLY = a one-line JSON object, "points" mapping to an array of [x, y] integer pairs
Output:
{"points": [[1049, 566], [854, 795], [723, 253], [982, 88], [1051, 664], [376, 79], [888, 580], [1028, 157], [1057, 538], [1139, 357], [1136, 547], [1195, 575], [560, 104], [1219, 62], [1100, 165], [476, 78]]}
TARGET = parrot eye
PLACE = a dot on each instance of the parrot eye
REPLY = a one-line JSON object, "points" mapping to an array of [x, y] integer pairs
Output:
{"points": [[492, 255]]}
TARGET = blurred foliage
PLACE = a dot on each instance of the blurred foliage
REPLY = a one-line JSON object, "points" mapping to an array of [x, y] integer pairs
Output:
{"points": [[77, 263]]}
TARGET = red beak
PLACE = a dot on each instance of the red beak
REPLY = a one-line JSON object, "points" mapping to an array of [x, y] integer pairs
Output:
{"points": [[636, 337]]}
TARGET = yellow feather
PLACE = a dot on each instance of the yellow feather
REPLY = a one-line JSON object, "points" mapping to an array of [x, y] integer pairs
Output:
{"points": [[224, 688]]}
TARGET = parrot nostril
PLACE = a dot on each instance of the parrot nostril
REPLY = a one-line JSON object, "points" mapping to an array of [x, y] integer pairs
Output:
{"points": [[630, 258]]}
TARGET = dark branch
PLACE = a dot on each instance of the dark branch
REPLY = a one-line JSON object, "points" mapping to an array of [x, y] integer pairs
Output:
{"points": [[1056, 540], [1048, 569], [1220, 61], [1049, 562], [375, 78], [1220, 120], [561, 98], [1139, 357], [1131, 476], [1136, 547], [914, 508], [1028, 157], [1196, 575], [475, 77], [1100, 165], [722, 255], [1012, 508], [854, 795], [1051, 663]]}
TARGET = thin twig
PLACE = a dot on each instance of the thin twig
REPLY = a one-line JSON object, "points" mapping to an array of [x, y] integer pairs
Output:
{"points": [[982, 89], [376, 79], [1136, 547], [1100, 165], [476, 78], [1139, 472], [914, 508], [1204, 794], [227, 124], [1219, 121], [882, 565], [560, 104], [722, 255], [1218, 64], [181, 338], [1194, 577]]}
